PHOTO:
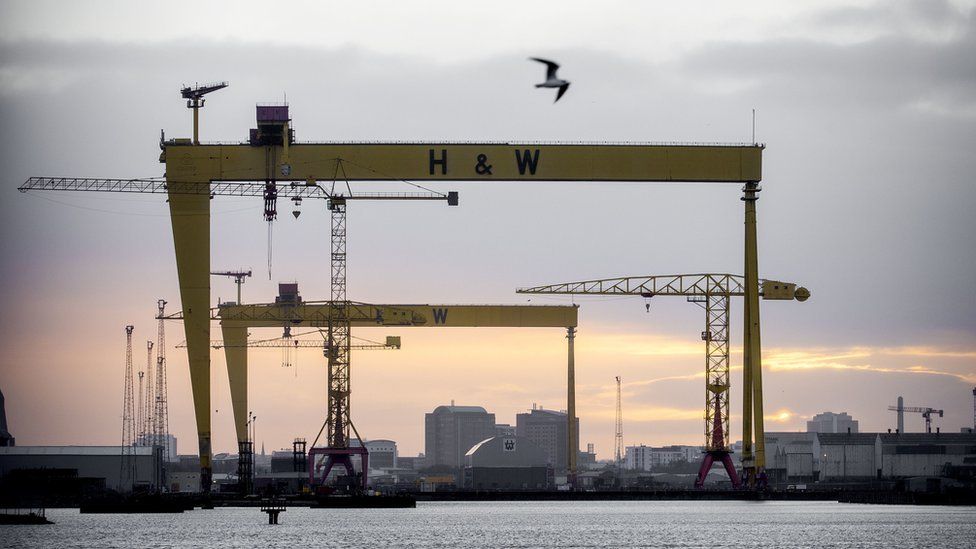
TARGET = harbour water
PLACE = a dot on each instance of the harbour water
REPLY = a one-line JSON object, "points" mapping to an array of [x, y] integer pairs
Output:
{"points": [[521, 524]]}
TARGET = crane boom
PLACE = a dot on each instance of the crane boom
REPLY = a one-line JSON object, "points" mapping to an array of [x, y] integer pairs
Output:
{"points": [[676, 285], [917, 410], [392, 342], [293, 189]]}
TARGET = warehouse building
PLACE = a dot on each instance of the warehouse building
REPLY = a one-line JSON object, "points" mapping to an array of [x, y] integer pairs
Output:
{"points": [[507, 463], [853, 457], [101, 465], [793, 457], [907, 455]]}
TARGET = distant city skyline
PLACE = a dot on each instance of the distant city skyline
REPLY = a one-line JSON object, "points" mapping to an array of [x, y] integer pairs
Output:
{"points": [[866, 109]]}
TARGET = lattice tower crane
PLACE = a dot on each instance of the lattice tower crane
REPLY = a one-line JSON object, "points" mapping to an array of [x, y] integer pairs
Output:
{"points": [[712, 293], [924, 410]]}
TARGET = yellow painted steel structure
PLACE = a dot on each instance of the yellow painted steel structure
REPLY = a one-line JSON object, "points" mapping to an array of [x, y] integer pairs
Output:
{"points": [[465, 162], [190, 165], [235, 320]]}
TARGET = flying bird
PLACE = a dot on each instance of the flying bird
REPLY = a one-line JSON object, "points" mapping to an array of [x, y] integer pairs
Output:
{"points": [[551, 80]]}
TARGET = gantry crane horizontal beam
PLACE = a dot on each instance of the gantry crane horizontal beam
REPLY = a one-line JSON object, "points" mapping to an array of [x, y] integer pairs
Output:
{"points": [[673, 285], [475, 161], [316, 314]]}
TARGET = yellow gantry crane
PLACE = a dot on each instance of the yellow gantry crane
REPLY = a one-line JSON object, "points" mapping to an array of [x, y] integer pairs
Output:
{"points": [[712, 292], [271, 165], [236, 320]]}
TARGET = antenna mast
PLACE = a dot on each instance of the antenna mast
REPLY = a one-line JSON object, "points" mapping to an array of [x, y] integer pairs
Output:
{"points": [[146, 428], [161, 415], [619, 435]]}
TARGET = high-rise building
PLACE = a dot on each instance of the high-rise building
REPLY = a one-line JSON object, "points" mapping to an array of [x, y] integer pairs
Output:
{"points": [[548, 430], [829, 422], [450, 431]]}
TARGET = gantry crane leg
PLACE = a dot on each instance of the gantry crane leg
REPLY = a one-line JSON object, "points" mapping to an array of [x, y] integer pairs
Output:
{"points": [[754, 464], [572, 450], [190, 217], [235, 353]]}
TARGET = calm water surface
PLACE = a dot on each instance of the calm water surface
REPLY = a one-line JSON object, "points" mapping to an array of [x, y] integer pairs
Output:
{"points": [[521, 524]]}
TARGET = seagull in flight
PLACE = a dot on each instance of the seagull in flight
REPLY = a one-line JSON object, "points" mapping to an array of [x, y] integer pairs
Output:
{"points": [[551, 80]]}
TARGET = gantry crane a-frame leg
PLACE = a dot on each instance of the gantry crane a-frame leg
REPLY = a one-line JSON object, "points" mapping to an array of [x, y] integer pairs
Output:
{"points": [[190, 216]]}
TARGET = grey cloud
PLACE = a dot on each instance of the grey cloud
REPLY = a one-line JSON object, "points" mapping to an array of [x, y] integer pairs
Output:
{"points": [[891, 71]]}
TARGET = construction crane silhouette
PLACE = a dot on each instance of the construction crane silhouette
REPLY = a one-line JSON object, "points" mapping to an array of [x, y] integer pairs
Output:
{"points": [[238, 277], [924, 410], [711, 292], [194, 100]]}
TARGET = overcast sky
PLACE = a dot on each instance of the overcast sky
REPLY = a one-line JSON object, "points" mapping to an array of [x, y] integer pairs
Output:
{"points": [[868, 111]]}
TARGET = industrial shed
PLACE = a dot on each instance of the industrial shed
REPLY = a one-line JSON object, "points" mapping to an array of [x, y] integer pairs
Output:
{"points": [[507, 463]]}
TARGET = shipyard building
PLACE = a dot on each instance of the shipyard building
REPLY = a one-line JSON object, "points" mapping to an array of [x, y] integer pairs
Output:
{"points": [[863, 457], [507, 463]]}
